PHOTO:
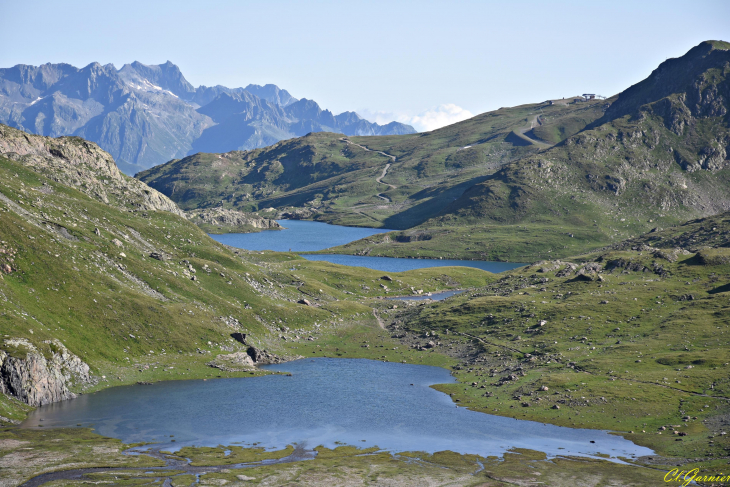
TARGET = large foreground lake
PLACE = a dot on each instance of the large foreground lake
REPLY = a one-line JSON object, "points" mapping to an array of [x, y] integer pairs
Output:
{"points": [[306, 236], [326, 402]]}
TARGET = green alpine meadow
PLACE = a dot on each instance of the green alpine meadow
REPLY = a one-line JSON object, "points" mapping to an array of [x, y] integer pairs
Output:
{"points": [[615, 323]]}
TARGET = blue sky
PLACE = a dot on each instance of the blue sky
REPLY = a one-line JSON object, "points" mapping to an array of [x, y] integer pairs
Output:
{"points": [[423, 62]]}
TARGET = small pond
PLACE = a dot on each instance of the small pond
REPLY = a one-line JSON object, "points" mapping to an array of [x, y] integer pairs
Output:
{"points": [[440, 296]]}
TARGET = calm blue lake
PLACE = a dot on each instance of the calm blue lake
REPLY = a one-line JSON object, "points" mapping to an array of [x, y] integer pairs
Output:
{"points": [[306, 236], [353, 401], [299, 236]]}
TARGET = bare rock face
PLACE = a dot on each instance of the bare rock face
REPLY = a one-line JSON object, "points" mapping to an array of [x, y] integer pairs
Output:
{"points": [[82, 165], [233, 362], [231, 218], [298, 214], [36, 379]]}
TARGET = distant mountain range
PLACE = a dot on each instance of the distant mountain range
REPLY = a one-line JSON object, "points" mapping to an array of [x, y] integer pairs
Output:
{"points": [[145, 115]]}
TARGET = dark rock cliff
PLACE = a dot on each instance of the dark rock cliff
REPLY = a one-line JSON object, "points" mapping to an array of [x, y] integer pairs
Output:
{"points": [[36, 379]]}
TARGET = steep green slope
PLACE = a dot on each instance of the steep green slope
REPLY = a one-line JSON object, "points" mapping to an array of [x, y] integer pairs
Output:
{"points": [[663, 159], [141, 294], [389, 181]]}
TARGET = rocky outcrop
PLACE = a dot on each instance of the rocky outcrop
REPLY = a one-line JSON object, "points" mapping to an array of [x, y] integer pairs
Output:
{"points": [[262, 357], [233, 362], [222, 217], [84, 166], [38, 379], [298, 213], [248, 360]]}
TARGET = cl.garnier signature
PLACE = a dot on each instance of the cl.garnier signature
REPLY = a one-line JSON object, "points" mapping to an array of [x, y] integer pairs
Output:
{"points": [[684, 477]]}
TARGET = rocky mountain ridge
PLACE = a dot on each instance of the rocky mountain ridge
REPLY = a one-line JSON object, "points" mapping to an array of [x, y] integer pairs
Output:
{"points": [[83, 165], [144, 115]]}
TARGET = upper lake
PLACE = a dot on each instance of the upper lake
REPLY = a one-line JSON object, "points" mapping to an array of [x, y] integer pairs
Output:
{"points": [[353, 401], [298, 236], [306, 236]]}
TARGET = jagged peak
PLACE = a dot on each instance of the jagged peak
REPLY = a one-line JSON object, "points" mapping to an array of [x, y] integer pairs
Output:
{"points": [[156, 77], [93, 66]]}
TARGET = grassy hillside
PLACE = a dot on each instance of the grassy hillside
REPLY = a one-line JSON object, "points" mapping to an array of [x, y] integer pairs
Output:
{"points": [[332, 178], [658, 157], [522, 183]]}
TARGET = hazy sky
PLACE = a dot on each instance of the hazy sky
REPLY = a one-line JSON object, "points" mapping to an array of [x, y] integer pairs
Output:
{"points": [[428, 63]]}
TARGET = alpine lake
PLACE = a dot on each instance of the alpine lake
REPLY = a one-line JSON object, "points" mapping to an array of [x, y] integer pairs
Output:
{"points": [[323, 401]]}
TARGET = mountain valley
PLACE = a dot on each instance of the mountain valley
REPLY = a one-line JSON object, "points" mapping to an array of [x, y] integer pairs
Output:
{"points": [[618, 207]]}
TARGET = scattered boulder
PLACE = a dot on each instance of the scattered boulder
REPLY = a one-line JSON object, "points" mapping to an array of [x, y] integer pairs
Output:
{"points": [[593, 267], [508, 378], [628, 265], [567, 270], [713, 257], [305, 302]]}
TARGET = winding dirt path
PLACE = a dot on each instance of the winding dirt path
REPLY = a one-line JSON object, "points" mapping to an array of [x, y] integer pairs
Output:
{"points": [[380, 322], [385, 169]]}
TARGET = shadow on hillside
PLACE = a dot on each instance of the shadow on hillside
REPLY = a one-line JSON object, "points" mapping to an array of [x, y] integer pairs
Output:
{"points": [[720, 289], [421, 212]]}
